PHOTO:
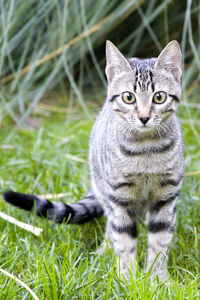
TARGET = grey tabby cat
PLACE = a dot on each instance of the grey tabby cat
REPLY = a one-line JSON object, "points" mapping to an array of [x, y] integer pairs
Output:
{"points": [[136, 158]]}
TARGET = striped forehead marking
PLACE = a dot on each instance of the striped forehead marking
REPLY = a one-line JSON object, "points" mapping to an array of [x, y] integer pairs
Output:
{"points": [[143, 78], [143, 73]]}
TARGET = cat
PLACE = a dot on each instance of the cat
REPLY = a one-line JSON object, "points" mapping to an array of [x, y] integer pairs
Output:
{"points": [[136, 159]]}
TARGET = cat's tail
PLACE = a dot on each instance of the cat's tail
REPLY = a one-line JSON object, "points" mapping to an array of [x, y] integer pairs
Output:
{"points": [[80, 212]]}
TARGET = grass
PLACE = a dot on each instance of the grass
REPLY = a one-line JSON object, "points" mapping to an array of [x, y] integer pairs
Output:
{"points": [[61, 263], [60, 44]]}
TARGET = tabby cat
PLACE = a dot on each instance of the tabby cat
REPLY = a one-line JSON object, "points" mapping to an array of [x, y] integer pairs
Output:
{"points": [[136, 158]]}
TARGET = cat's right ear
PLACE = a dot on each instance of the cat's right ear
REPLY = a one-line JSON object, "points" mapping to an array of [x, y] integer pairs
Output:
{"points": [[170, 59], [116, 62]]}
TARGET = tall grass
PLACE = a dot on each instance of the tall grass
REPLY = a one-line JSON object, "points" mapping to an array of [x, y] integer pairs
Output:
{"points": [[59, 44]]}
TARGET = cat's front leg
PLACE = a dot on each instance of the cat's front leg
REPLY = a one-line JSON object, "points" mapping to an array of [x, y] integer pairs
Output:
{"points": [[161, 220], [122, 231]]}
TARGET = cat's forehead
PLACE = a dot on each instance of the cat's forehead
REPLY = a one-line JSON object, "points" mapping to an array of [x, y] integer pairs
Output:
{"points": [[142, 65], [141, 79], [143, 68]]}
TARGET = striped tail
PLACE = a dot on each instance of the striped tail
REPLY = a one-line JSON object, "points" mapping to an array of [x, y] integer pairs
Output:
{"points": [[80, 212]]}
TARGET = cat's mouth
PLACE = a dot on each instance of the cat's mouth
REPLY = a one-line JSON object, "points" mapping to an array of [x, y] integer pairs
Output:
{"points": [[145, 128], [140, 127]]}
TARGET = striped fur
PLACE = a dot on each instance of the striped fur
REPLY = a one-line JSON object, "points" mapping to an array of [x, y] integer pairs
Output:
{"points": [[80, 212], [136, 168]]}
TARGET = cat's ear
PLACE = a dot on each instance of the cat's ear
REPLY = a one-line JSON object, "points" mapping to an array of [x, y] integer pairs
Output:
{"points": [[116, 62], [170, 59]]}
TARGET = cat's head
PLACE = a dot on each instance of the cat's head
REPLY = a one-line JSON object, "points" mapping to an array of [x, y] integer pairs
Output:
{"points": [[144, 92]]}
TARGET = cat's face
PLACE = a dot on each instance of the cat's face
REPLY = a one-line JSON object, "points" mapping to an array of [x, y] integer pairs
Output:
{"points": [[144, 92]]}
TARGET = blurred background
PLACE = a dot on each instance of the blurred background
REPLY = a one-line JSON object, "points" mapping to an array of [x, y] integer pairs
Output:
{"points": [[53, 50]]}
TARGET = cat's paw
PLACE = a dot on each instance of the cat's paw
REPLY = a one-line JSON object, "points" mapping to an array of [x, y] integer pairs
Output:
{"points": [[101, 249], [157, 276]]}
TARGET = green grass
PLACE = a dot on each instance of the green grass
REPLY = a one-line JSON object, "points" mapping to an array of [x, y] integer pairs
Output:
{"points": [[61, 263]]}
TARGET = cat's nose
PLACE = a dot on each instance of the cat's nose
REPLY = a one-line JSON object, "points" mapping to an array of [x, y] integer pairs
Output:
{"points": [[144, 120]]}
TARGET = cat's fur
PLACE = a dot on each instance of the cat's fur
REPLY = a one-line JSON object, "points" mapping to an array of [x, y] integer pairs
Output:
{"points": [[136, 159]]}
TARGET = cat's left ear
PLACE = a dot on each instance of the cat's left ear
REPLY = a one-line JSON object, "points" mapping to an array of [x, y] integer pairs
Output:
{"points": [[170, 59], [116, 62]]}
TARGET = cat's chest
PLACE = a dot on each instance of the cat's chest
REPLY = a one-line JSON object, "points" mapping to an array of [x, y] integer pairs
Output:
{"points": [[131, 165], [143, 172]]}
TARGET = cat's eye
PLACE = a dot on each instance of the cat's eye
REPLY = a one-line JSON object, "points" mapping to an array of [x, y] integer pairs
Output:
{"points": [[128, 97], [159, 97]]}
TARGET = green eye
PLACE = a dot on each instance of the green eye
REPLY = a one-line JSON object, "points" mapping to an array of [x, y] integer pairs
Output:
{"points": [[159, 97], [128, 97]]}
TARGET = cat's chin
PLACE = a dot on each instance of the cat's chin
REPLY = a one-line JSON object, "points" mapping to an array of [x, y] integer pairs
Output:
{"points": [[145, 129]]}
